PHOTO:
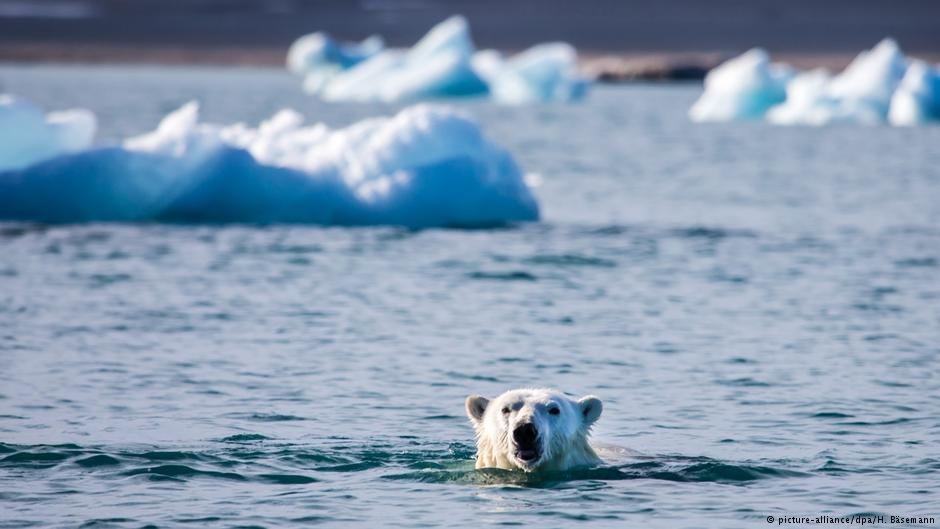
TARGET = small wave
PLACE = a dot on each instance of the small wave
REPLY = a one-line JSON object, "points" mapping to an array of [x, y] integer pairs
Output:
{"points": [[287, 479], [244, 438], [569, 259], [690, 470], [279, 463], [918, 262], [704, 232], [182, 471], [747, 382], [100, 460], [830, 415], [35, 457], [169, 455], [516, 275], [351, 467], [106, 522], [265, 417]]}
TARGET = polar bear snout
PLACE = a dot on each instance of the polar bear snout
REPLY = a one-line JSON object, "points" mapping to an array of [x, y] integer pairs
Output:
{"points": [[526, 437]]}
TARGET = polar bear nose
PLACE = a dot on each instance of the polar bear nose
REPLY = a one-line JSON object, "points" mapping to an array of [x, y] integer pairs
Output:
{"points": [[525, 435]]}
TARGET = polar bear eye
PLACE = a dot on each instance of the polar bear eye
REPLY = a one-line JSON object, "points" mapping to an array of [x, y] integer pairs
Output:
{"points": [[506, 410], [554, 410]]}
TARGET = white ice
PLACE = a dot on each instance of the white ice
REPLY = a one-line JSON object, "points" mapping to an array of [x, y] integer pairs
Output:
{"points": [[444, 63], [439, 65], [425, 166], [545, 72], [318, 50], [742, 88], [879, 85], [803, 95]]}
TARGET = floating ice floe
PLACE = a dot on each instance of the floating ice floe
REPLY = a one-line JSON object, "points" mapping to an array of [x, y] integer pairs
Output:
{"points": [[426, 166], [28, 136], [444, 63], [317, 50], [545, 72], [802, 102], [879, 85], [745, 87]]}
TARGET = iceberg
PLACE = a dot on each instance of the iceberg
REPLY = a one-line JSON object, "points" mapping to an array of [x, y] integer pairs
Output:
{"points": [[879, 85], [318, 50], [862, 92], [28, 136], [743, 88], [545, 72], [917, 98], [439, 65], [426, 166], [444, 63], [804, 100]]}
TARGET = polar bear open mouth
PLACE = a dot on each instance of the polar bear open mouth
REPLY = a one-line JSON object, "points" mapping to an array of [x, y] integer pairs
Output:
{"points": [[526, 441]]}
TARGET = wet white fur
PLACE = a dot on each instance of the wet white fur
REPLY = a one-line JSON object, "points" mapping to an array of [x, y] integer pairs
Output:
{"points": [[562, 438]]}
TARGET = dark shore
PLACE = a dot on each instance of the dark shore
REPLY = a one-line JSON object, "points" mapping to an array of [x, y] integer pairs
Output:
{"points": [[617, 39]]}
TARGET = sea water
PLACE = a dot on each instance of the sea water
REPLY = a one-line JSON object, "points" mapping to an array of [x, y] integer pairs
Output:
{"points": [[758, 307]]}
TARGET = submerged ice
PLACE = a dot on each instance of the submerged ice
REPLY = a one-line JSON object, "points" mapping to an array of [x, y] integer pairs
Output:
{"points": [[879, 85], [426, 166], [444, 63]]}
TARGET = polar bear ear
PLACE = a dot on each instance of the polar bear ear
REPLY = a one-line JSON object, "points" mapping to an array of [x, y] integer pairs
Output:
{"points": [[591, 408], [476, 406]]}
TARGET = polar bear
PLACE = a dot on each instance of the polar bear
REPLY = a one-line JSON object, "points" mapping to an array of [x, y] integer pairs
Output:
{"points": [[534, 429]]}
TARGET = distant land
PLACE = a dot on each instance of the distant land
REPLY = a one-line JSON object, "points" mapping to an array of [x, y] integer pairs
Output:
{"points": [[617, 38]]}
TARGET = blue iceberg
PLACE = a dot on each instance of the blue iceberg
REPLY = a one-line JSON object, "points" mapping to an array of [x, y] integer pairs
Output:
{"points": [[316, 50], [427, 166], [543, 73], [917, 99], [880, 85], [744, 88], [444, 63], [860, 94]]}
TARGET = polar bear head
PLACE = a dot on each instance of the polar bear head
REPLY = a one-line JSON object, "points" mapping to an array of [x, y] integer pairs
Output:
{"points": [[533, 429]]}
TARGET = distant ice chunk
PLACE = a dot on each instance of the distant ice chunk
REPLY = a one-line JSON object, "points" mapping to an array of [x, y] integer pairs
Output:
{"points": [[917, 98], [317, 51], [439, 65], [426, 166], [879, 85], [28, 136], [445, 63], [361, 83], [488, 64], [862, 92], [177, 135], [742, 88], [804, 100], [446, 74], [450, 36], [546, 72]]}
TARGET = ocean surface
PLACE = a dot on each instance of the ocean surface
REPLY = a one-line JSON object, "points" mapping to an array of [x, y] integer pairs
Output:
{"points": [[758, 307]]}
